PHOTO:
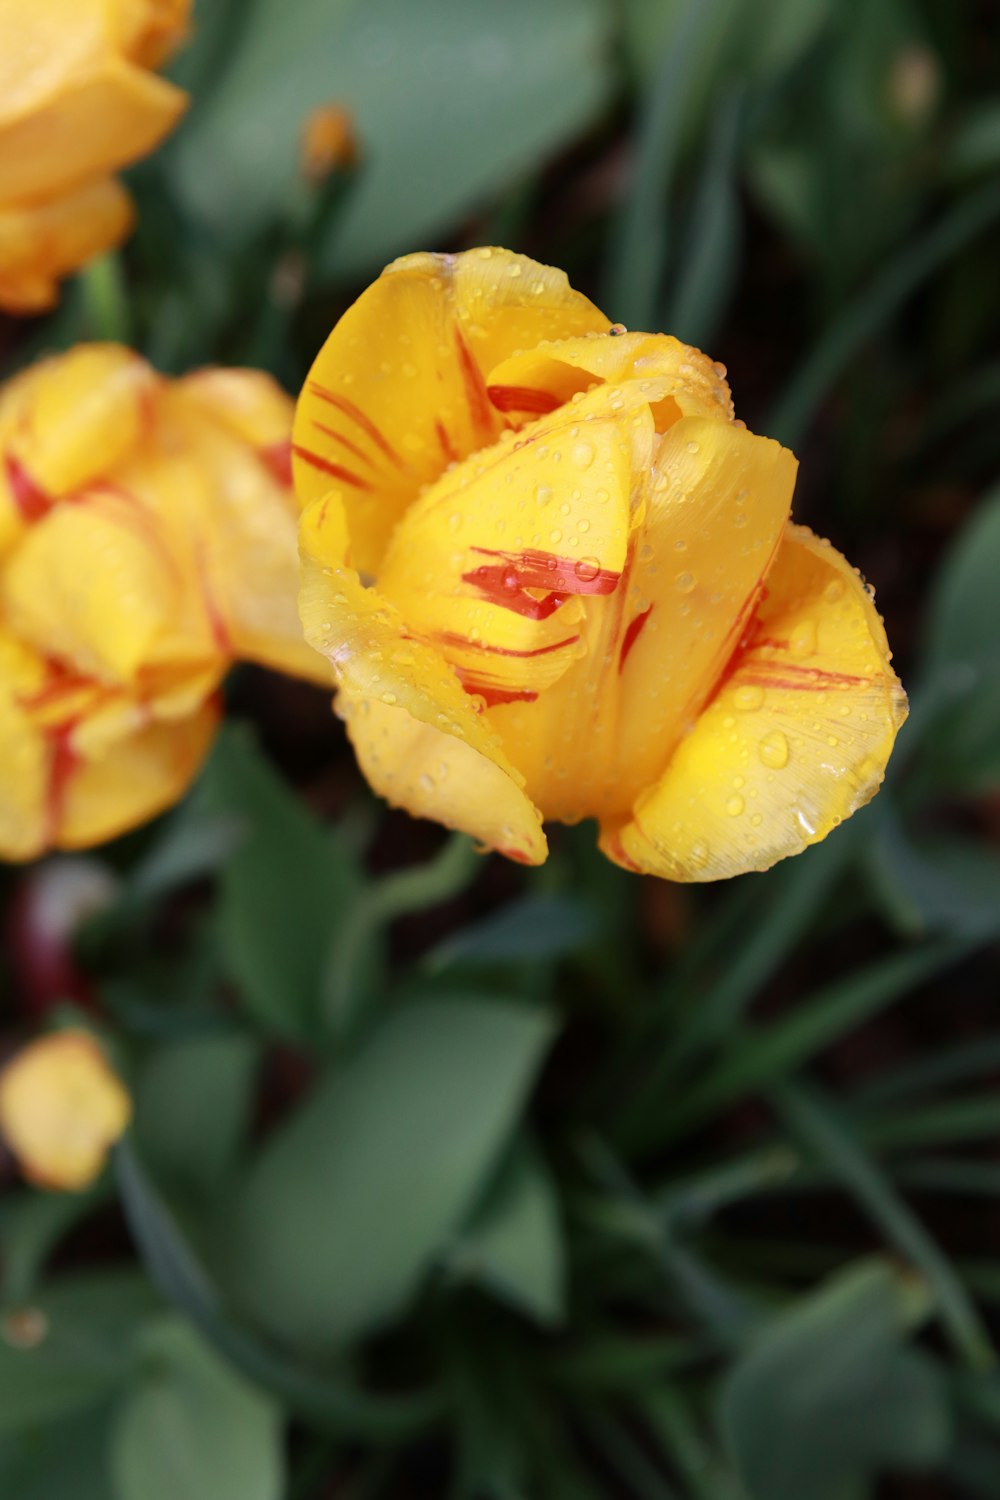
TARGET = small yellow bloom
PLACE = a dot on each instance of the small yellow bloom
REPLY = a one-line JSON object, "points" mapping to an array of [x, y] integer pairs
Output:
{"points": [[587, 598], [62, 1109], [147, 540], [77, 102]]}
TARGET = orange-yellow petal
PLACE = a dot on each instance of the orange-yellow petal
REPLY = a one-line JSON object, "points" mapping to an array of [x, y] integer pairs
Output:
{"points": [[795, 739], [535, 379], [715, 503], [378, 664], [136, 778], [399, 388], [46, 42], [24, 757], [61, 1109], [495, 563], [42, 242], [69, 420], [148, 31], [253, 407], [108, 115]]}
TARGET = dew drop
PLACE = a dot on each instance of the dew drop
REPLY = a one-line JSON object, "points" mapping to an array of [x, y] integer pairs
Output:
{"points": [[699, 854], [833, 591], [427, 782], [685, 582], [735, 806], [543, 494], [555, 535], [389, 699], [773, 750], [747, 698], [757, 820], [455, 520], [582, 455], [802, 641], [587, 569], [693, 447]]}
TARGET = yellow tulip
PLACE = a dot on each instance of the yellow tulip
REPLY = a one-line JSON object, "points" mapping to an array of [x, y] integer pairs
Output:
{"points": [[77, 102], [62, 1109], [557, 580], [147, 540]]}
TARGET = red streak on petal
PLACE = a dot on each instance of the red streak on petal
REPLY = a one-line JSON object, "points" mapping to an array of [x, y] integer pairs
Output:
{"points": [[615, 847], [632, 635], [62, 766], [31, 500], [360, 418], [277, 460], [493, 696], [345, 442], [475, 389], [317, 461], [803, 679], [518, 855], [447, 638], [447, 447], [506, 582], [522, 398]]}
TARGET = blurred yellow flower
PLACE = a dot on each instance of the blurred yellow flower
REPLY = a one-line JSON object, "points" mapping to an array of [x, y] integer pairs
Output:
{"points": [[62, 1109], [77, 102], [587, 599], [147, 539]]}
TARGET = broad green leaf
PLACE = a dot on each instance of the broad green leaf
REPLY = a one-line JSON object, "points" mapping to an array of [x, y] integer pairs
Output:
{"points": [[942, 885], [70, 1347], [961, 667], [829, 1394], [193, 1104], [190, 1426], [514, 1243], [354, 1196], [66, 1460], [452, 102], [531, 927], [282, 893]]}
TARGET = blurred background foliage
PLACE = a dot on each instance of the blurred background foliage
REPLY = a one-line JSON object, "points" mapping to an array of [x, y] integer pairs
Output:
{"points": [[451, 1179]]}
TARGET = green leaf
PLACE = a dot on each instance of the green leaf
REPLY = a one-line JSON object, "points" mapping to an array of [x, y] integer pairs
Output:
{"points": [[451, 102], [193, 1103], [961, 668], [946, 885], [282, 894], [353, 1197], [75, 1348], [533, 927], [190, 1426], [66, 1459], [514, 1246], [828, 1395]]}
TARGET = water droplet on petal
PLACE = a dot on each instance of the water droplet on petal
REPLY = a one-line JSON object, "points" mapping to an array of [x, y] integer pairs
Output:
{"points": [[587, 569], [834, 591], [749, 697], [735, 806], [685, 582], [582, 455], [773, 750], [802, 641]]}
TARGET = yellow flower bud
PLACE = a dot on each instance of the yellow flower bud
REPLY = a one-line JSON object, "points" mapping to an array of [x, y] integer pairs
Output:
{"points": [[77, 102], [62, 1109], [328, 142], [147, 540], [587, 599]]}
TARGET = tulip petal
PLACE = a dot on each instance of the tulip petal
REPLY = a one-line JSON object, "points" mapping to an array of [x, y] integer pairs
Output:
{"points": [[439, 776], [24, 759], [90, 124], [398, 390], [140, 776], [42, 242], [795, 739], [93, 584], [715, 505], [70, 419], [553, 372], [378, 663], [494, 562]]}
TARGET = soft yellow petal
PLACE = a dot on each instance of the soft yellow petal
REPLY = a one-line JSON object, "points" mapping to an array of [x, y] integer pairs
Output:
{"points": [[61, 1109], [795, 739], [24, 756], [398, 390], [42, 242], [93, 584], [535, 379], [46, 42], [253, 407], [439, 776], [92, 123], [148, 31], [71, 419], [494, 563], [715, 505], [138, 777], [376, 661], [248, 526]]}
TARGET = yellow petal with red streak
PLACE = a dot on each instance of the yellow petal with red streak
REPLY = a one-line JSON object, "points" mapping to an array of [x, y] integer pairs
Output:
{"points": [[399, 391], [795, 740]]}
